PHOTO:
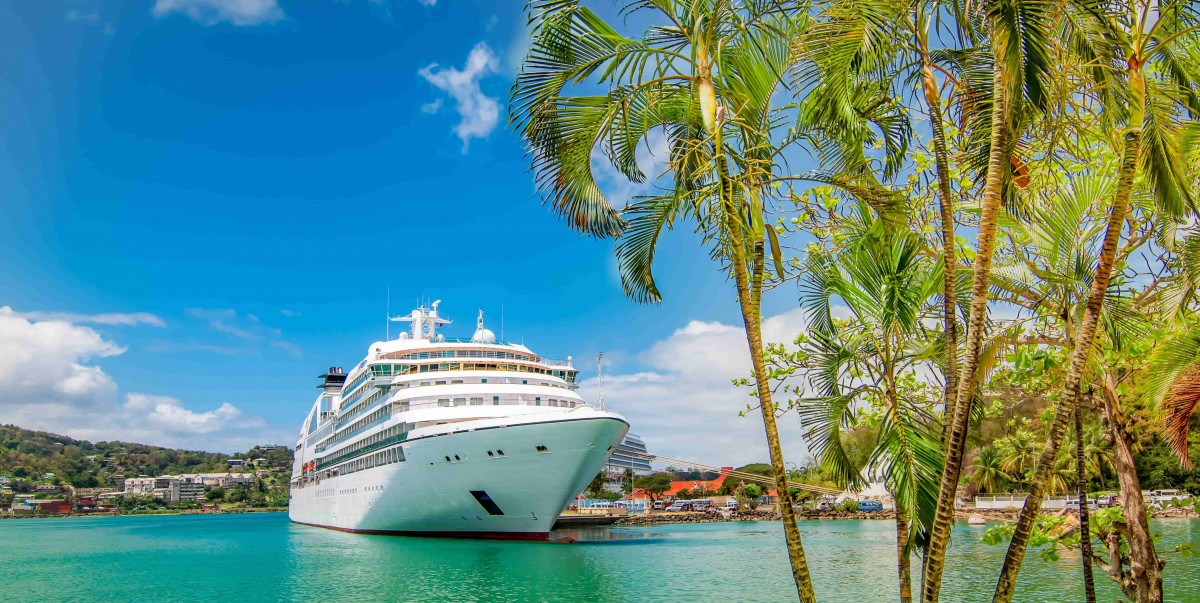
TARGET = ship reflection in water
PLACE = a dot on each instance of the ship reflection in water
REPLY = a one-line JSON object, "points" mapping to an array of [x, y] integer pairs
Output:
{"points": [[603, 535]]}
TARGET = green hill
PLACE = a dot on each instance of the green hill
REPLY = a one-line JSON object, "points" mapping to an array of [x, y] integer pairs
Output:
{"points": [[32, 456]]}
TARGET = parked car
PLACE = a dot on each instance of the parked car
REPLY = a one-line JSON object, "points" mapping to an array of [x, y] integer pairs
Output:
{"points": [[730, 505], [1073, 504], [825, 506], [658, 505], [870, 505], [680, 506], [702, 504]]}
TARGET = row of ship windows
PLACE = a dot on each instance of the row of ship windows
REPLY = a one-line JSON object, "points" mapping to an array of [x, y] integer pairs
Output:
{"points": [[383, 457], [344, 433], [389, 370], [395, 430], [537, 401], [463, 354], [346, 411], [501, 381], [354, 427]]}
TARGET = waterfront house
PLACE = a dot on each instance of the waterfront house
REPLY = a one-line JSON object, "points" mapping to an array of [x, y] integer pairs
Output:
{"points": [[698, 485], [46, 488], [41, 507]]}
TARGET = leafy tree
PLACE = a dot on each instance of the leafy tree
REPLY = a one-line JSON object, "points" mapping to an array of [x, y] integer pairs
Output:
{"points": [[595, 488], [654, 484]]}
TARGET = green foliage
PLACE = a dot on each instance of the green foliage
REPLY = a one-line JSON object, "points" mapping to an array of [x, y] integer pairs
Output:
{"points": [[654, 484], [731, 483]]}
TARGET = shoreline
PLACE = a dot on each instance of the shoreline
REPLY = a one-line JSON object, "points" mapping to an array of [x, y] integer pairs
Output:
{"points": [[1002, 515], [145, 513], [993, 515]]}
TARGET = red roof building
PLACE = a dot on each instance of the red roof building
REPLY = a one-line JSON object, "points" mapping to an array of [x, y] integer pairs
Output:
{"points": [[713, 485]]}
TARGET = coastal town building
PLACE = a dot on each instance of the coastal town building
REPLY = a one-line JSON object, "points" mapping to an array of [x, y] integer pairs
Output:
{"points": [[178, 489], [89, 492], [699, 485], [139, 486], [40, 506]]}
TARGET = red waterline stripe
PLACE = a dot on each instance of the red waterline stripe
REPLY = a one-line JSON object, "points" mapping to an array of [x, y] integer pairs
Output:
{"points": [[527, 536]]}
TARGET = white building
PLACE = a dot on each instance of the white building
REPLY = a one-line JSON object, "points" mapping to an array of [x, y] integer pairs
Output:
{"points": [[139, 486]]}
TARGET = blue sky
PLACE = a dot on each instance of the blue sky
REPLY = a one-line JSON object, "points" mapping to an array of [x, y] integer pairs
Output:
{"points": [[205, 201]]}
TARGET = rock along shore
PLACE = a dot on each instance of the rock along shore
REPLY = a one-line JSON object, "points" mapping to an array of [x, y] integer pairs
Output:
{"points": [[1007, 516]]}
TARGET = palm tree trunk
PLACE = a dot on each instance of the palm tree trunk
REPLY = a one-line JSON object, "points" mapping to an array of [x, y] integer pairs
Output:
{"points": [[1143, 583], [939, 536], [1085, 532], [902, 556], [950, 263], [749, 294], [1084, 340], [753, 323]]}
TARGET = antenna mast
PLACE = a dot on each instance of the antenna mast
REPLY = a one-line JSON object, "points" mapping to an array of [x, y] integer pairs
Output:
{"points": [[600, 376]]}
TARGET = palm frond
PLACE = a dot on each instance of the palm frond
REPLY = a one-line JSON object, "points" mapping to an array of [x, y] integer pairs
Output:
{"points": [[1174, 382]]}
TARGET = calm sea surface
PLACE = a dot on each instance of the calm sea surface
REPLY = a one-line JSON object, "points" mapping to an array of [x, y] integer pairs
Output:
{"points": [[263, 557]]}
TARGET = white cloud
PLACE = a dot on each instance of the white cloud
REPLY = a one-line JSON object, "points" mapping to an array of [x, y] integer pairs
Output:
{"points": [[52, 383], [115, 319], [432, 106], [428, 2], [169, 414], [83, 15], [479, 113], [211, 12], [248, 329], [685, 406]]}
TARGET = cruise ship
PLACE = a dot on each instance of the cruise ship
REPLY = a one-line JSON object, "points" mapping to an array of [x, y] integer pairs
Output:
{"points": [[435, 436]]}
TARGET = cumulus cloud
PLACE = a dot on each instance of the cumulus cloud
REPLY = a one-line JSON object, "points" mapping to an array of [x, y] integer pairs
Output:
{"points": [[684, 404], [168, 413], [210, 12], [53, 382], [478, 112]]}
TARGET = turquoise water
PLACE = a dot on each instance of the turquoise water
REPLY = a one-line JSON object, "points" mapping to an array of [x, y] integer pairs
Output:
{"points": [[263, 557]]}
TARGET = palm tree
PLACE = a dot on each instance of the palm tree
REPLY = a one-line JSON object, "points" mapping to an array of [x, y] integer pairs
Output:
{"points": [[987, 473], [1085, 531], [1174, 384], [888, 286], [1019, 37], [707, 75], [1127, 37], [1019, 455]]}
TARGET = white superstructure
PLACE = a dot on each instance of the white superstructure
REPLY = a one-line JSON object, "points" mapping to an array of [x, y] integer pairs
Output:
{"points": [[438, 436]]}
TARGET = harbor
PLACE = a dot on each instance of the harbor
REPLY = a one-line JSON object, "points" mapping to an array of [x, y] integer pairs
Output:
{"points": [[263, 557]]}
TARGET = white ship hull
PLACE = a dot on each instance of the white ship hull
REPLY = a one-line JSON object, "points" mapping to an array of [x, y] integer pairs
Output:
{"points": [[427, 495]]}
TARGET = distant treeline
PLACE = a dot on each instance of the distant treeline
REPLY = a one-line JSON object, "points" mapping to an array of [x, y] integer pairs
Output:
{"points": [[27, 456]]}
